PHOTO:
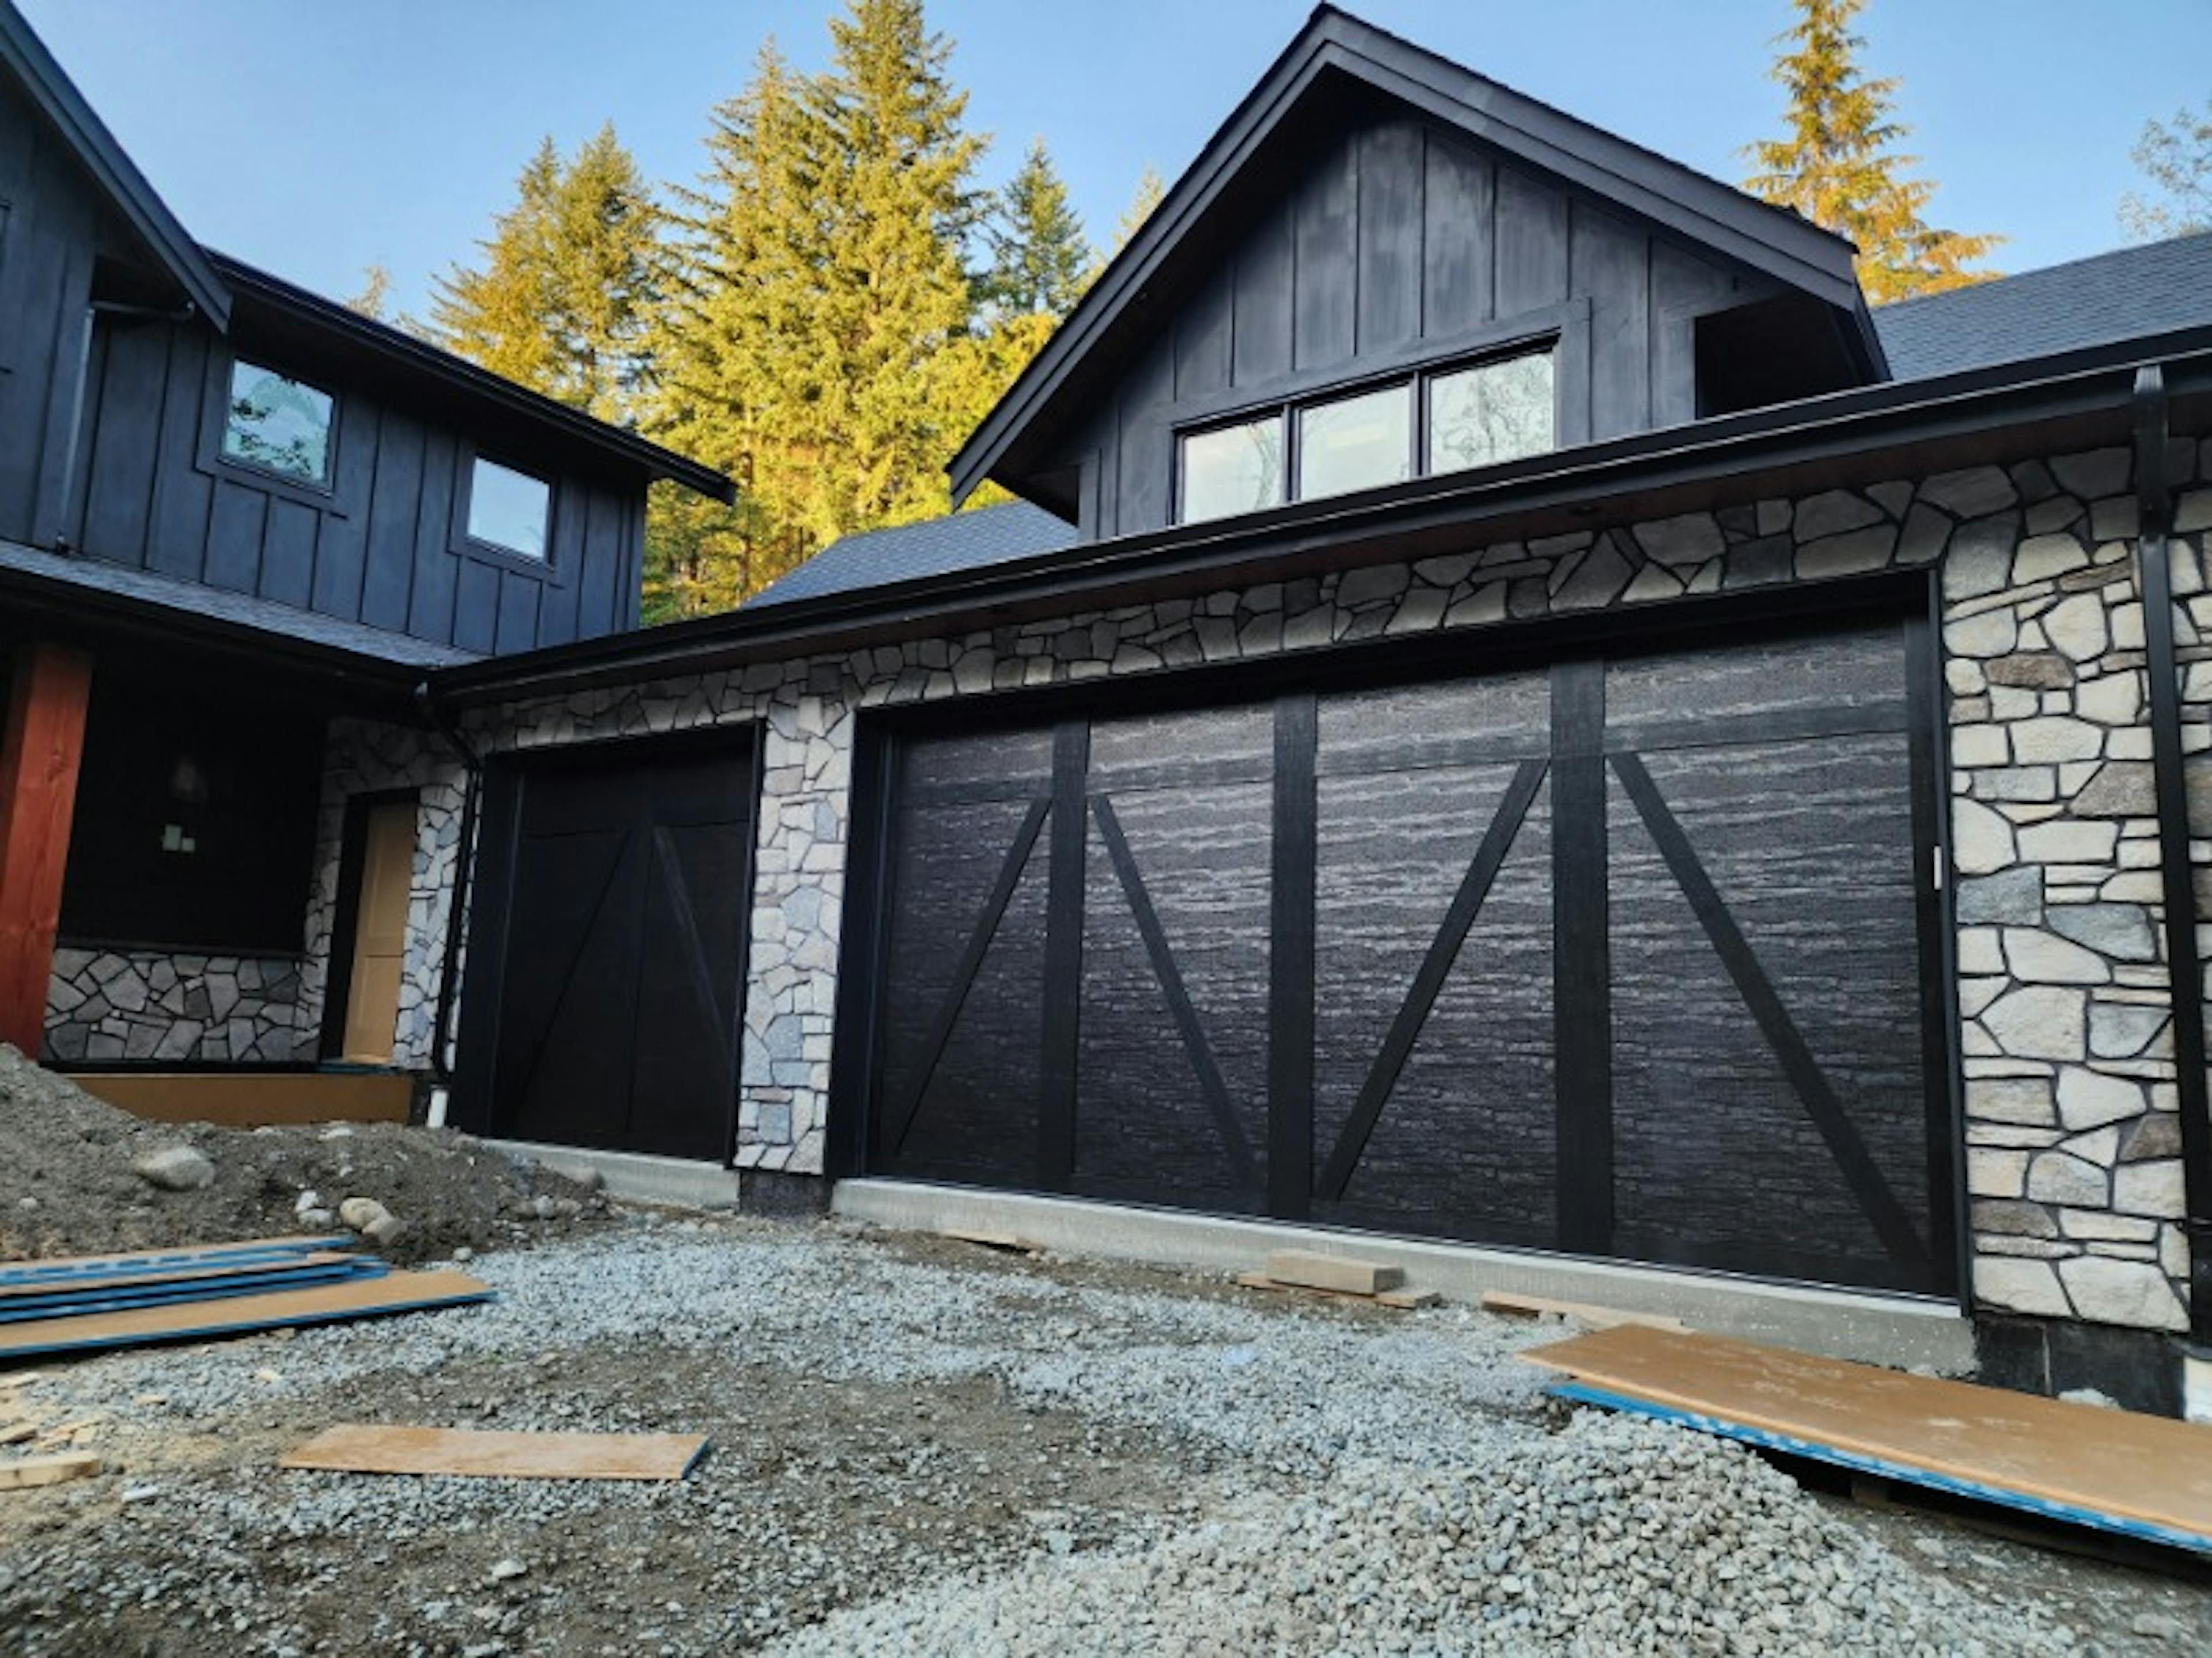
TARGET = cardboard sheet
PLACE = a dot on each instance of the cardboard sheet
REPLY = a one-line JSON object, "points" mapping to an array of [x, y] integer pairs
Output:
{"points": [[358, 1448]]}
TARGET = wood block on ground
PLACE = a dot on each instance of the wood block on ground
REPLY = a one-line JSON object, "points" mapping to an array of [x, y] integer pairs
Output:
{"points": [[1598, 1318], [360, 1447], [1407, 1301], [196, 1320], [1341, 1274], [26, 1471], [2072, 1462]]}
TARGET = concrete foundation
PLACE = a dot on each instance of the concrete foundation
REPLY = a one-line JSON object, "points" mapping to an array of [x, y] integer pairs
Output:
{"points": [[1843, 1324], [633, 1175]]}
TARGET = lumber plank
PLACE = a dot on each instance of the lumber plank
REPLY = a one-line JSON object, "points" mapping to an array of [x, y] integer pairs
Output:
{"points": [[197, 1254], [367, 1448], [1342, 1273], [2074, 1460], [26, 1471], [400, 1292], [1598, 1318]]}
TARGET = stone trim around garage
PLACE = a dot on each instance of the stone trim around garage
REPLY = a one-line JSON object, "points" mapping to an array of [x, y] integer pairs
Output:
{"points": [[2071, 1099]]}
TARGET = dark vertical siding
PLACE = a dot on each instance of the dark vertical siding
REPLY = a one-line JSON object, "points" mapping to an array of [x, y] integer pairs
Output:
{"points": [[430, 595], [1398, 236]]}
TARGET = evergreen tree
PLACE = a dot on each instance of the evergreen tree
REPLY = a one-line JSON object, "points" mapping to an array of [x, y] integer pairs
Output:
{"points": [[1040, 261], [1839, 167], [564, 298], [2177, 161], [375, 295], [1142, 205]]}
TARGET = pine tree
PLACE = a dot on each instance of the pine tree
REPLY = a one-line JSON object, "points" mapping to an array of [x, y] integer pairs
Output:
{"points": [[1040, 261], [2177, 161], [1149, 194], [1838, 166], [564, 299]]}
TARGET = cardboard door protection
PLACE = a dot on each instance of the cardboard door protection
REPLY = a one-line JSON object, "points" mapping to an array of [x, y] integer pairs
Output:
{"points": [[379, 938], [1625, 956], [607, 951]]}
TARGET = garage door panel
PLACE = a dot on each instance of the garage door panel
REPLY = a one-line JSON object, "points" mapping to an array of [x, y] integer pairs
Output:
{"points": [[684, 1069], [1463, 1145], [1172, 1050], [962, 1038]]}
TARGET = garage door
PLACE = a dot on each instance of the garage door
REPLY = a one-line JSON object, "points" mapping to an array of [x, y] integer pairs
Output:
{"points": [[1621, 957], [606, 955]]}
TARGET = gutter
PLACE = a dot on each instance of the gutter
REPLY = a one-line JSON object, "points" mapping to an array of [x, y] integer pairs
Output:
{"points": [[464, 861], [2154, 502]]}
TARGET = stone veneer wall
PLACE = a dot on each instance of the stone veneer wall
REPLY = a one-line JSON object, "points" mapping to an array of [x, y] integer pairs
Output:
{"points": [[2066, 1039], [163, 1005]]}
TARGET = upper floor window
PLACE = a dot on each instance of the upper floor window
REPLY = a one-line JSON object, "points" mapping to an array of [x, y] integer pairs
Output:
{"points": [[1477, 416], [278, 424], [508, 509]]}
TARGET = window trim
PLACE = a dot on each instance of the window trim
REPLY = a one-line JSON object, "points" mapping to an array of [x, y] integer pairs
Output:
{"points": [[459, 541], [323, 486], [330, 496], [1558, 337]]}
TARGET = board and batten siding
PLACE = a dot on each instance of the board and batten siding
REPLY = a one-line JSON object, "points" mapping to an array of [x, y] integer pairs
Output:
{"points": [[1400, 245], [381, 546]]}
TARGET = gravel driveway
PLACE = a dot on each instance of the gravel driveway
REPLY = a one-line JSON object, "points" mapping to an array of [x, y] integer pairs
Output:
{"points": [[922, 1447]]}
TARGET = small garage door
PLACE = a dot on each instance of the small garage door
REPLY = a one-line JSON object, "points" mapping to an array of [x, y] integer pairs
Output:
{"points": [[606, 955], [1621, 957]]}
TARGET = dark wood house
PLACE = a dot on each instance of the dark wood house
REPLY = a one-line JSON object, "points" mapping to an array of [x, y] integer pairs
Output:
{"points": [[1512, 716], [231, 514]]}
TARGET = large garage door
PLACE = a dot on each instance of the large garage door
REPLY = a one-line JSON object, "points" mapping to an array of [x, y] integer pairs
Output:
{"points": [[605, 967], [1621, 957]]}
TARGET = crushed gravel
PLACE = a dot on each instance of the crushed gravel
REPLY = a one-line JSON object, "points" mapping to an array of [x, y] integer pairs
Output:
{"points": [[921, 1447]]}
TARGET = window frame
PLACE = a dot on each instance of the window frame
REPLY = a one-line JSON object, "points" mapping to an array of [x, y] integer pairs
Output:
{"points": [[459, 539], [214, 422], [321, 488], [1561, 329], [1279, 413], [1428, 391]]}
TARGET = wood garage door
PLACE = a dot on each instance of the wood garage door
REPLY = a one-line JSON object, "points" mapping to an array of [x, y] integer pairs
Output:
{"points": [[607, 950], [1621, 957]]}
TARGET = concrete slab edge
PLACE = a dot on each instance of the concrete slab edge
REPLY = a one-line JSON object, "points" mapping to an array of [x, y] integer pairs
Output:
{"points": [[1839, 1323], [635, 1176]]}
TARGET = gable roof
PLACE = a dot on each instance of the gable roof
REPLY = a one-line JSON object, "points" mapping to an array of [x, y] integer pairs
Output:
{"points": [[938, 546], [56, 97], [1337, 48], [2130, 293]]}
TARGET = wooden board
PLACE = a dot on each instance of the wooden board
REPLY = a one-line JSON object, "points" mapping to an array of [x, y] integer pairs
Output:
{"points": [[198, 1255], [2151, 1474], [1342, 1273], [400, 1292], [111, 1282], [359, 1448], [26, 1471], [251, 1100], [1598, 1318]]}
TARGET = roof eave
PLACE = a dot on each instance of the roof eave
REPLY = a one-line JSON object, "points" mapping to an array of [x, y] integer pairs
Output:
{"points": [[421, 357], [55, 96]]}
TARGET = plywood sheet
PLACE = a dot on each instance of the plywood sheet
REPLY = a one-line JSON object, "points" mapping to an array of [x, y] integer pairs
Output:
{"points": [[2152, 1470], [199, 1255], [246, 1099], [97, 1299], [400, 1292], [359, 1448]]}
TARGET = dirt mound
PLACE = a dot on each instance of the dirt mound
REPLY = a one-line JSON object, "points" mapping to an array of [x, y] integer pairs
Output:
{"points": [[69, 1182]]}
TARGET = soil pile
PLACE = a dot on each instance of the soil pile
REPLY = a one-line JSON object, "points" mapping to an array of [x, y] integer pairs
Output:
{"points": [[78, 1176]]}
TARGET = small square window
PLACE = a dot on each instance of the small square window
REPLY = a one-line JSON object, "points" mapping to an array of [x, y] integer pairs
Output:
{"points": [[508, 509], [279, 425], [1356, 443], [1497, 412], [1232, 469]]}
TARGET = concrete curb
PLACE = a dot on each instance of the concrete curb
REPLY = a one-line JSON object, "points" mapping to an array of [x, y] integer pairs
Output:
{"points": [[677, 1181]]}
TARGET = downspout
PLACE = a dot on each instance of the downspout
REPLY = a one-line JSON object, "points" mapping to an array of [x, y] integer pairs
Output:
{"points": [[464, 861], [64, 505], [2154, 502]]}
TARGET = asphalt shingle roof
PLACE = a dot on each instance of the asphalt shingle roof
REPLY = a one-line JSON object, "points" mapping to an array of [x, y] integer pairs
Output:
{"points": [[244, 610], [937, 546], [2127, 293]]}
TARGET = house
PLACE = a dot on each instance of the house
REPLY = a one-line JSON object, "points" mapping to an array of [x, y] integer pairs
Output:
{"points": [[234, 518], [1509, 709]]}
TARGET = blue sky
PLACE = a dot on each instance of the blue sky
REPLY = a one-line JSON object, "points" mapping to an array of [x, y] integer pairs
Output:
{"points": [[315, 137]]}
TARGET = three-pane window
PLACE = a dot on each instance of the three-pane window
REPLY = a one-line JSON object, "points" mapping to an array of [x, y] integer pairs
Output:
{"points": [[1482, 415], [278, 424]]}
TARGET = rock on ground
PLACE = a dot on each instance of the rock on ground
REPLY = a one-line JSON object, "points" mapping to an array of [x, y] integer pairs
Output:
{"points": [[78, 1176]]}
